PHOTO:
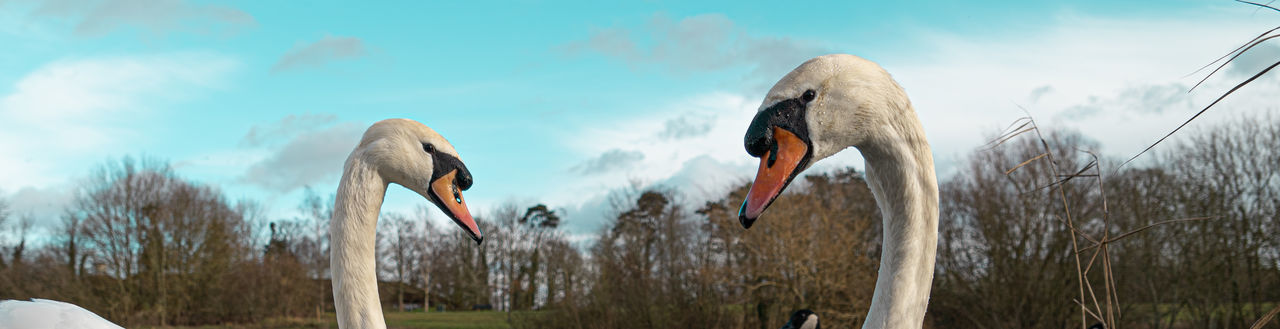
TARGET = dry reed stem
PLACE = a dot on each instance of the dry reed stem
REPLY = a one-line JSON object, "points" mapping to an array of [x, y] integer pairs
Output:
{"points": [[1118, 237], [1261, 38], [1265, 318], [1010, 171], [1048, 154], [1105, 309], [1256, 40], [1111, 299], [1086, 309]]}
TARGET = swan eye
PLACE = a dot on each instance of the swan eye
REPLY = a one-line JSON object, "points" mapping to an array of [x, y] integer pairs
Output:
{"points": [[808, 96], [429, 148]]}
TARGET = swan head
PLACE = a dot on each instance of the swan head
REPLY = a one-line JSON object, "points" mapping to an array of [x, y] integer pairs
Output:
{"points": [[407, 153], [825, 105], [803, 319]]}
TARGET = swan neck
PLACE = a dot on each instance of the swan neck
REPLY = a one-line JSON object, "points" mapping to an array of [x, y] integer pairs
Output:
{"points": [[353, 230], [901, 176]]}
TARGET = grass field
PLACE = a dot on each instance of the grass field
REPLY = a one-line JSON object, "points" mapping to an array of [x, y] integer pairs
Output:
{"points": [[458, 320], [395, 320]]}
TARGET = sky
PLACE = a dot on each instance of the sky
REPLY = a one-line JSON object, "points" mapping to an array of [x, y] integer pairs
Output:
{"points": [[564, 102]]}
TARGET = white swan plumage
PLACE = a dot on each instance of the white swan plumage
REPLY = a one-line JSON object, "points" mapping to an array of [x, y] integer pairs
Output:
{"points": [[834, 102], [399, 151], [49, 314]]}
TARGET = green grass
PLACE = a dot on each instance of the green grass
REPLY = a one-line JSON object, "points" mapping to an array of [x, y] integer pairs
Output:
{"points": [[395, 320], [1142, 311], [457, 320]]}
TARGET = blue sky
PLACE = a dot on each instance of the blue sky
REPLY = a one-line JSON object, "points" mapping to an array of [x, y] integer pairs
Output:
{"points": [[563, 102]]}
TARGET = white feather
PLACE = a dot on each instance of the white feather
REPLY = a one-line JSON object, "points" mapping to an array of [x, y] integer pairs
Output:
{"points": [[810, 322], [49, 314], [859, 105], [391, 151]]}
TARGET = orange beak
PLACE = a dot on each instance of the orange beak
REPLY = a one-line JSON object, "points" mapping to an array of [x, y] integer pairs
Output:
{"points": [[777, 167], [449, 198]]}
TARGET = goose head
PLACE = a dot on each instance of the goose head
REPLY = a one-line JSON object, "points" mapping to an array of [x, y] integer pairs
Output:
{"points": [[407, 153], [825, 105], [803, 319]]}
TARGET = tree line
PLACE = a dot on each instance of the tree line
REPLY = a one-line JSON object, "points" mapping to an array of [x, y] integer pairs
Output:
{"points": [[142, 245]]}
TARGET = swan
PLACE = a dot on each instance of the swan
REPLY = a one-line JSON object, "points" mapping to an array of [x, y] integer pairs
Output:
{"points": [[400, 151], [833, 102], [803, 319], [49, 314]]}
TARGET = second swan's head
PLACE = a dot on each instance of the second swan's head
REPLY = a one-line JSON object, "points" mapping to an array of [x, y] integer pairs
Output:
{"points": [[803, 319], [408, 153], [825, 105]]}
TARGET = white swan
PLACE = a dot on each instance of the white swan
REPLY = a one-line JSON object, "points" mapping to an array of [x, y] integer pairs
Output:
{"points": [[828, 104], [397, 151], [49, 314]]}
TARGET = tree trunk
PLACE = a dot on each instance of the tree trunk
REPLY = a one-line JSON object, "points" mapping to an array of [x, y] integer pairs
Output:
{"points": [[762, 314], [426, 290], [400, 296]]}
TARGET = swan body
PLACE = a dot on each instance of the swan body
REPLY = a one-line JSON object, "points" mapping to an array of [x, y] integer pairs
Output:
{"points": [[834, 102], [49, 314]]}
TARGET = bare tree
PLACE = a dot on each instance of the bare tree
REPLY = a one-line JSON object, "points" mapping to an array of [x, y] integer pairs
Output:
{"points": [[537, 223], [4, 219], [159, 237], [1005, 250], [1227, 172], [403, 251], [23, 231], [818, 249], [314, 244]]}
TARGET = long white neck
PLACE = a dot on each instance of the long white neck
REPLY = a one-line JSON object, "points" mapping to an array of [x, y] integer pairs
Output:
{"points": [[901, 176], [353, 236]]}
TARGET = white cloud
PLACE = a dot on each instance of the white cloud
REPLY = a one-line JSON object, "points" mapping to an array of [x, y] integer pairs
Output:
{"points": [[79, 108], [101, 17], [44, 204], [288, 127], [88, 90], [697, 181], [304, 150], [70, 114], [316, 54], [699, 165], [1144, 99], [1256, 59], [1126, 74], [686, 126], [704, 178], [611, 160], [697, 43], [728, 115], [1120, 81]]}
